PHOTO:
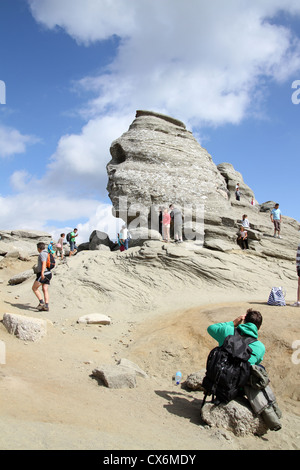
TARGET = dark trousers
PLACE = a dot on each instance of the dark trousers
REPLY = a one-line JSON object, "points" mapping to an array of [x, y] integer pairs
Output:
{"points": [[243, 242]]}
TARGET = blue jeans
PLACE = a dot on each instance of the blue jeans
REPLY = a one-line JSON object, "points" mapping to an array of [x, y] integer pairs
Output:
{"points": [[73, 246]]}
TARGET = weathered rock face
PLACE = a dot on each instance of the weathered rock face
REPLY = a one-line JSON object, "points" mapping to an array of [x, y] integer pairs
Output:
{"points": [[232, 177], [158, 162], [21, 243]]}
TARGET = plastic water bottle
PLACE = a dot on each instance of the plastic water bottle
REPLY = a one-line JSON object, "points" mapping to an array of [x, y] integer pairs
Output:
{"points": [[178, 377]]}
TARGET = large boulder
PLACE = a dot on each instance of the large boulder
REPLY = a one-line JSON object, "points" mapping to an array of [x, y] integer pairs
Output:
{"points": [[25, 328], [98, 240]]}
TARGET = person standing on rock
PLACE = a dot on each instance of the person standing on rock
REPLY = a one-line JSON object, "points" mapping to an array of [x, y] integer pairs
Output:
{"points": [[297, 304], [237, 192], [124, 236], [177, 218], [275, 216], [60, 246], [166, 225], [73, 247], [160, 221], [43, 278]]}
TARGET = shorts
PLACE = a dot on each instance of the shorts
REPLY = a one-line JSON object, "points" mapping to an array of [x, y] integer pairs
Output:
{"points": [[277, 224], [46, 280], [60, 250]]}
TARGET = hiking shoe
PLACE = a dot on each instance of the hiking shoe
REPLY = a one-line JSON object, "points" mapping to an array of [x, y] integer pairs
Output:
{"points": [[43, 308]]}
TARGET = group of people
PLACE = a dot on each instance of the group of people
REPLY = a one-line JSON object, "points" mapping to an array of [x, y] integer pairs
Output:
{"points": [[243, 233], [167, 216], [44, 275], [275, 216]]}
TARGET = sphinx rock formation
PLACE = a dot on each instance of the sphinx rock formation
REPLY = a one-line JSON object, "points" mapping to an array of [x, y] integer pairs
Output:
{"points": [[158, 162]]}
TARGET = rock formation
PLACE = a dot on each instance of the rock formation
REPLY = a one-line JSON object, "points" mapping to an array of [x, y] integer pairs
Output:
{"points": [[21, 243], [158, 162]]}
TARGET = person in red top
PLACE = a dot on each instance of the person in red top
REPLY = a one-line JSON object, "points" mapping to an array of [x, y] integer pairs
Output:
{"points": [[166, 225]]}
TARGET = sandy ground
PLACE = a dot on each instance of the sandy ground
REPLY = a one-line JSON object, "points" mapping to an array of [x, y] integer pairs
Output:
{"points": [[50, 400]]}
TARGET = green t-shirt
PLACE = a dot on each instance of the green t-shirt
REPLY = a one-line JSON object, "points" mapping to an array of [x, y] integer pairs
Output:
{"points": [[219, 331]]}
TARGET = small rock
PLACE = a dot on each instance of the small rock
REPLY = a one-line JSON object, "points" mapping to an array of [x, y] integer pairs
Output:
{"points": [[194, 381], [21, 277], [116, 376], [235, 416], [95, 318], [25, 328], [133, 367]]}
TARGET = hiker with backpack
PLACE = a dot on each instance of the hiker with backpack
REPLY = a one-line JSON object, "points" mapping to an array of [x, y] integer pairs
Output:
{"points": [[228, 365], [46, 262], [71, 238]]}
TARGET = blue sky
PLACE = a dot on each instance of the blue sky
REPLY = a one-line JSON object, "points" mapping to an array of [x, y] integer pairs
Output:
{"points": [[76, 71]]}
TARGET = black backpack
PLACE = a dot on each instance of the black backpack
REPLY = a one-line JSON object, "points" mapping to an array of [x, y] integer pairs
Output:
{"points": [[69, 237], [227, 368]]}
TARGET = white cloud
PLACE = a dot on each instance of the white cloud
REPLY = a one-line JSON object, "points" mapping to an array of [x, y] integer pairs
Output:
{"points": [[34, 207], [19, 180], [102, 220], [12, 141], [199, 61], [35, 211], [88, 20], [83, 157]]}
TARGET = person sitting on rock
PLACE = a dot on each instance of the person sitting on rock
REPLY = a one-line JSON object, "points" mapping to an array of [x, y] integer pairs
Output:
{"points": [[247, 324], [243, 238]]}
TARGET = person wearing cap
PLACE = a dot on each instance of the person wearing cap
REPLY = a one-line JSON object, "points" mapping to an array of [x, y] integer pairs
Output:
{"points": [[50, 248]]}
